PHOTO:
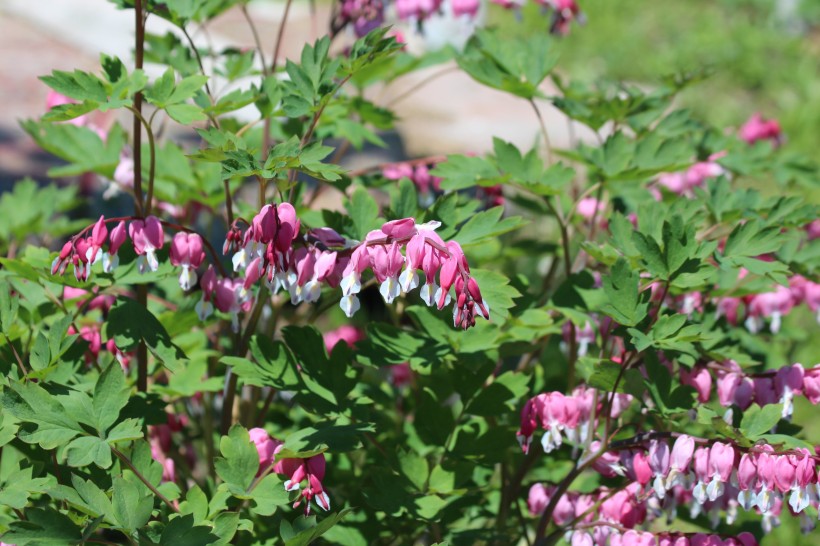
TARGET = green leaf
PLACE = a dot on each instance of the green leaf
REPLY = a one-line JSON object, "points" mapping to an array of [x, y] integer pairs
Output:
{"points": [[515, 64], [502, 395], [110, 396], [621, 289], [406, 202], [31, 403], [462, 171], [364, 212], [306, 537], [130, 322], [189, 379], [486, 225], [414, 467], [758, 421], [81, 147], [93, 498], [497, 292], [124, 431], [183, 531], [328, 435], [185, 114], [43, 527], [40, 355], [196, 504], [131, 505], [240, 460], [751, 239], [159, 93], [187, 88], [86, 450], [77, 85], [275, 365], [18, 486], [8, 306], [269, 494]]}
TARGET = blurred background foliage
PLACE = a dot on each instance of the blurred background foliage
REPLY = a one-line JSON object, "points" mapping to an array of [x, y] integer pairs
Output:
{"points": [[761, 55]]}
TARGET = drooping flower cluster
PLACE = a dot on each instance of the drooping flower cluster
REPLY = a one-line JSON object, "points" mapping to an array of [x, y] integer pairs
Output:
{"points": [[736, 387], [397, 273], [311, 470], [609, 517], [683, 183], [83, 252], [560, 415], [760, 310], [426, 184], [719, 477], [148, 237]]}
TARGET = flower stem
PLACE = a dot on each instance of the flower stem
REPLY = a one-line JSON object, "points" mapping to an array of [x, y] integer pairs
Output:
{"points": [[127, 462]]}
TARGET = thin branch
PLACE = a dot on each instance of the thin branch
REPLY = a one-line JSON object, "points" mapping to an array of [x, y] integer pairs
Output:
{"points": [[244, 9], [152, 159], [137, 108], [16, 355], [544, 132], [421, 84], [198, 60], [143, 479], [274, 62]]}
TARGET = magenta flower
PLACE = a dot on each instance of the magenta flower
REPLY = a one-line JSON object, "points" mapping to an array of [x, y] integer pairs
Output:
{"points": [[538, 498], [186, 252], [772, 305], [387, 265], [747, 481], [757, 128], [346, 333], [147, 237], [110, 259], [721, 465], [465, 7], [421, 254], [266, 447], [230, 297], [99, 235], [310, 470], [699, 378]]}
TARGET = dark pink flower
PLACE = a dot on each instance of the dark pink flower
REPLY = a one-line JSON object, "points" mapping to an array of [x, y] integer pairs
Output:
{"points": [[310, 470], [757, 128], [147, 237], [186, 252], [347, 333]]}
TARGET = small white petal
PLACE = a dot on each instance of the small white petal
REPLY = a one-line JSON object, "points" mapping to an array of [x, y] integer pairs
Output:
{"points": [[151, 258], [409, 279], [204, 309], [775, 325], [349, 304], [428, 293], [351, 284]]}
